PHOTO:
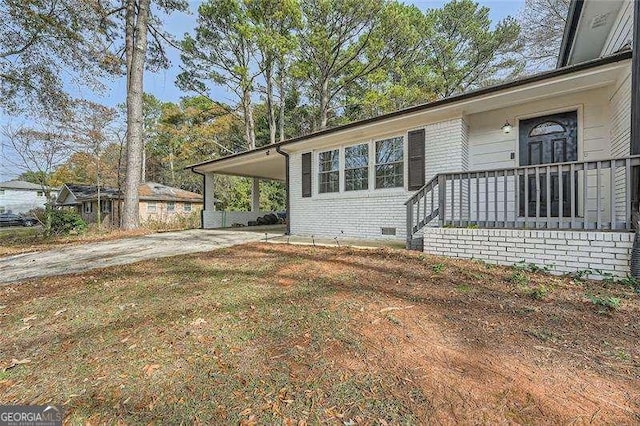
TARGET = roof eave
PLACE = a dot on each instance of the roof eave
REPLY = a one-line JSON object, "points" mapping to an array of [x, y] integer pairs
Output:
{"points": [[568, 37]]}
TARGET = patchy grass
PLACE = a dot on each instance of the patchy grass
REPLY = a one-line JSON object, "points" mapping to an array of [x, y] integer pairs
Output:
{"points": [[25, 240], [278, 334]]}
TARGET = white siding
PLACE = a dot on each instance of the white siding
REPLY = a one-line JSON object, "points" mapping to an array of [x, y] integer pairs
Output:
{"points": [[620, 116], [490, 148], [21, 201], [622, 31], [620, 133]]}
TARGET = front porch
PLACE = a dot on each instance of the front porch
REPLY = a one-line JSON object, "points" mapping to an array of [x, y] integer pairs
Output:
{"points": [[567, 216]]}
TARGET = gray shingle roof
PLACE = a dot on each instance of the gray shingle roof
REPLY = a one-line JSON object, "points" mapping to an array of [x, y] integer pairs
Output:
{"points": [[84, 192], [21, 184], [147, 191]]}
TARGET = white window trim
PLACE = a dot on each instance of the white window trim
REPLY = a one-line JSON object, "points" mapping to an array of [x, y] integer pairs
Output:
{"points": [[371, 191], [169, 209], [404, 160], [184, 206], [340, 170], [105, 203], [152, 207], [344, 168]]}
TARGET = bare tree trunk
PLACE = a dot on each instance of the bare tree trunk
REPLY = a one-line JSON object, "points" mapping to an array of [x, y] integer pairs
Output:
{"points": [[119, 178], [143, 172], [324, 104], [268, 75], [98, 186], [249, 125], [282, 100], [136, 40], [172, 168]]}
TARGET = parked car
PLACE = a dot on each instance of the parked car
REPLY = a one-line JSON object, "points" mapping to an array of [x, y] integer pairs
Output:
{"points": [[9, 219]]}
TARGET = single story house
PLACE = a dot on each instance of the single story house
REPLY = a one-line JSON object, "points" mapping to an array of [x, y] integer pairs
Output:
{"points": [[18, 196], [542, 169], [157, 202]]}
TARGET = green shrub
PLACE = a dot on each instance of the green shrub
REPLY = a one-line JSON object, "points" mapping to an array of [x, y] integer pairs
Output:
{"points": [[177, 221], [609, 302], [532, 267], [631, 281], [463, 288], [581, 275], [65, 222], [538, 292], [519, 277], [438, 267]]}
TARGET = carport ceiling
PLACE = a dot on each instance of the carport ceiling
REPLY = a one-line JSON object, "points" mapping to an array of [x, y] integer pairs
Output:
{"points": [[263, 164]]}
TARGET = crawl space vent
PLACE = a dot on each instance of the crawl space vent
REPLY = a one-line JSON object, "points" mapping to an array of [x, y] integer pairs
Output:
{"points": [[388, 231]]}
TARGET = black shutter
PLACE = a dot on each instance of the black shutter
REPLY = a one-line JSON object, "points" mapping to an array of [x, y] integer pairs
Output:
{"points": [[306, 174], [416, 159]]}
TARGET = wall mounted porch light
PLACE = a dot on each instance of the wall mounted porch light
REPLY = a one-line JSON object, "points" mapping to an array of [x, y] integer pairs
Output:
{"points": [[507, 127]]}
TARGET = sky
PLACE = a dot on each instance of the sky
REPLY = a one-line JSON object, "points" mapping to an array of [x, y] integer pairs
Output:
{"points": [[162, 84]]}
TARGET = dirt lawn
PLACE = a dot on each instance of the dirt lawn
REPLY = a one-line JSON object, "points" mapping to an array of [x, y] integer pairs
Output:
{"points": [[270, 333]]}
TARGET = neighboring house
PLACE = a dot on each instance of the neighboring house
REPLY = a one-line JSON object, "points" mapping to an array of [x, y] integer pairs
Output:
{"points": [[540, 169], [18, 196], [157, 202]]}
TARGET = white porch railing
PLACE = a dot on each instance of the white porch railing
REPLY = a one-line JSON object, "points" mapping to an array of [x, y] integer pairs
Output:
{"points": [[590, 195]]}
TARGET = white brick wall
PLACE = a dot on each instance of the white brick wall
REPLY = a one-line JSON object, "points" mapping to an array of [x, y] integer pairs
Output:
{"points": [[565, 251], [363, 214], [447, 147]]}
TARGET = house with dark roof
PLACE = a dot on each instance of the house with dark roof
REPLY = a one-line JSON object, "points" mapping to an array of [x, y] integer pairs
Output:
{"points": [[543, 169], [18, 196], [158, 203]]}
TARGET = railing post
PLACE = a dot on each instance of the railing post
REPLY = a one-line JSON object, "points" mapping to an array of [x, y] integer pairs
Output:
{"points": [[442, 197], [409, 224]]}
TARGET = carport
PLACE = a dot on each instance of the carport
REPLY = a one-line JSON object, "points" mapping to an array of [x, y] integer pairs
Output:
{"points": [[264, 163]]}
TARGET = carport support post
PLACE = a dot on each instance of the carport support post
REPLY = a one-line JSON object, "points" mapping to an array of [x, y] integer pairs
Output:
{"points": [[209, 198], [255, 195]]}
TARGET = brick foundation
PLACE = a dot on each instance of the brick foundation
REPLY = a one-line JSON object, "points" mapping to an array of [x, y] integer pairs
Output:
{"points": [[563, 251]]}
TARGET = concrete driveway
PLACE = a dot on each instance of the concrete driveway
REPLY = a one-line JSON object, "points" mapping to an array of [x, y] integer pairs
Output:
{"points": [[83, 257]]}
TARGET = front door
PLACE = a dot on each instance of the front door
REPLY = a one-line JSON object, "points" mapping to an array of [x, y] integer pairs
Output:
{"points": [[546, 140]]}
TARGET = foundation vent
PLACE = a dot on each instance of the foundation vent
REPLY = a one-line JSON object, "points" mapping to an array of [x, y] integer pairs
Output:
{"points": [[388, 231]]}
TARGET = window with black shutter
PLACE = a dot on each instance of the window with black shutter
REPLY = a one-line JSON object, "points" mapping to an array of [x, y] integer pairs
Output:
{"points": [[390, 163], [416, 159], [306, 174]]}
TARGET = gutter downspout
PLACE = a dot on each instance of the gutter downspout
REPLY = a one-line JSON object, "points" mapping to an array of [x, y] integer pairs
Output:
{"points": [[635, 138], [287, 184], [204, 197]]}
